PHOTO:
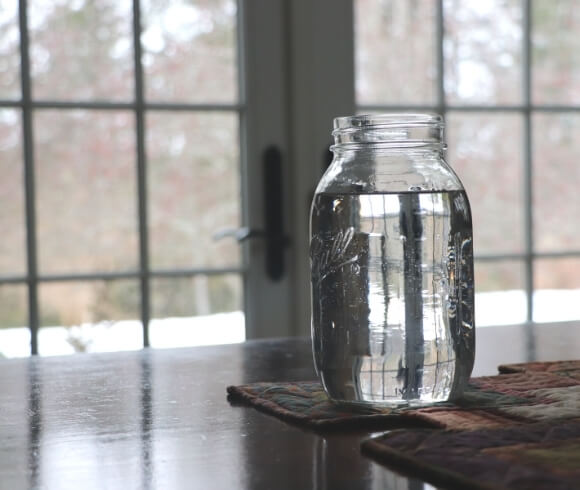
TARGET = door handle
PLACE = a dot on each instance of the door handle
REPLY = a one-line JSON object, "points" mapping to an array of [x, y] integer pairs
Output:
{"points": [[276, 239], [273, 233]]}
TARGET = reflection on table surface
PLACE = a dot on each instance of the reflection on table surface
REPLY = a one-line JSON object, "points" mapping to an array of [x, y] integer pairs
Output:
{"points": [[160, 418]]}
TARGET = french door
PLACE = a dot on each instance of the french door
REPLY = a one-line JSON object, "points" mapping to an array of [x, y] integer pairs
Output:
{"points": [[159, 159]]}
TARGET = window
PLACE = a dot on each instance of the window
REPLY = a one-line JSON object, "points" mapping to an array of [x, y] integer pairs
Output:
{"points": [[117, 175], [132, 133], [505, 75]]}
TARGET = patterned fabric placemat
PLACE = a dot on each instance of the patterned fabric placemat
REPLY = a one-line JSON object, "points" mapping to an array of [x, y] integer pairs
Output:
{"points": [[541, 450], [306, 404], [532, 456], [523, 394]]}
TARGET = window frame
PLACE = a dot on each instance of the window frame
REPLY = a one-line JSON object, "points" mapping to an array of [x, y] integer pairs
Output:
{"points": [[27, 105], [283, 78], [526, 109]]}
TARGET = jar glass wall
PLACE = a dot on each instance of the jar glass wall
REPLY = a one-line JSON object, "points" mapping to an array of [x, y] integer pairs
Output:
{"points": [[392, 265]]}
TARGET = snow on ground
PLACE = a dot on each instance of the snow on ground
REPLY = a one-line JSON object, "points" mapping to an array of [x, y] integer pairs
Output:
{"points": [[492, 308], [221, 328]]}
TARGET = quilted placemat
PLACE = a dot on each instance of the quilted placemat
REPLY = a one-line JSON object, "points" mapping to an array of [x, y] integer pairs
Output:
{"points": [[538, 455], [523, 394], [305, 403], [540, 451]]}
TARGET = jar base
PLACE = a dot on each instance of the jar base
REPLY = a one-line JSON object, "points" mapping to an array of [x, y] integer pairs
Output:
{"points": [[382, 404], [359, 394]]}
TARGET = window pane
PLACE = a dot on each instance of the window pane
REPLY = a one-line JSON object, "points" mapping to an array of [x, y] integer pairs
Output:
{"points": [[556, 181], [9, 51], [194, 184], [86, 198], [486, 152], [557, 285], [92, 316], [14, 334], [482, 51], [500, 297], [86, 44], [189, 50], [395, 51], [556, 52], [197, 310], [12, 214]]}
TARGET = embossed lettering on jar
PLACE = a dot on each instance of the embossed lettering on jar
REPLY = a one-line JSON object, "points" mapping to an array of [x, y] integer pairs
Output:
{"points": [[392, 265]]}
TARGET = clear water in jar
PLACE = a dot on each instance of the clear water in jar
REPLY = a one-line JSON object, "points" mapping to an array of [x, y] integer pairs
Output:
{"points": [[392, 296]]}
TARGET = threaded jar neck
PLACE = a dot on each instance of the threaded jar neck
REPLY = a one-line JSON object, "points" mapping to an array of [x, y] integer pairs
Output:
{"points": [[388, 131]]}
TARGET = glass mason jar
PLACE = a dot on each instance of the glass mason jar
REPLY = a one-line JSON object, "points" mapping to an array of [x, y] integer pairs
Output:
{"points": [[391, 265]]}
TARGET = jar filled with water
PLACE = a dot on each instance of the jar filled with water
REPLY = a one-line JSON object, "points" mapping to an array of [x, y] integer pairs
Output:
{"points": [[392, 265]]}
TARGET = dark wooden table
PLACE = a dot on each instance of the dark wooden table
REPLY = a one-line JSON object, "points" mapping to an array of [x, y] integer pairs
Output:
{"points": [[160, 418]]}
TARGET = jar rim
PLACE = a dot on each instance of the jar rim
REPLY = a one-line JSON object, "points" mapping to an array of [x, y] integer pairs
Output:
{"points": [[389, 131], [386, 120]]}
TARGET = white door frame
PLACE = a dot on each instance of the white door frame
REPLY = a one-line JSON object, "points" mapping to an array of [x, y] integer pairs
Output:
{"points": [[297, 62]]}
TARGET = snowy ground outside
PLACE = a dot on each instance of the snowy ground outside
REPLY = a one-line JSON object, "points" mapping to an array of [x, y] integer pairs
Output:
{"points": [[493, 308], [221, 328]]}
